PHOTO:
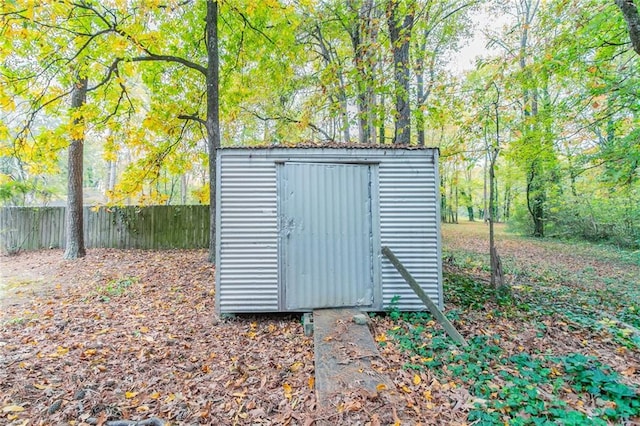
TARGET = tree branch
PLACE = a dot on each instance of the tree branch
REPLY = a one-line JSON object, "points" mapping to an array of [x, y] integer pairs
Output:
{"points": [[170, 58], [113, 69], [193, 118], [288, 120]]}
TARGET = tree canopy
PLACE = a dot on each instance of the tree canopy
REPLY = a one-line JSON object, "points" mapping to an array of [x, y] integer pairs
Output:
{"points": [[360, 71]]}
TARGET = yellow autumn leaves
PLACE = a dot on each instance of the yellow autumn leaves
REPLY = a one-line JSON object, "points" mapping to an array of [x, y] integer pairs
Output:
{"points": [[12, 412]]}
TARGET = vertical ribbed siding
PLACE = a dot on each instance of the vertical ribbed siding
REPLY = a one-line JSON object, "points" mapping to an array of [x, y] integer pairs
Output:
{"points": [[248, 236], [409, 226], [326, 219], [404, 217]]}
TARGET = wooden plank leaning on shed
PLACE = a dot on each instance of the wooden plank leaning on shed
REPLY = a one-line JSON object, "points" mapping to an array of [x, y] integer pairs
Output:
{"points": [[439, 316]]}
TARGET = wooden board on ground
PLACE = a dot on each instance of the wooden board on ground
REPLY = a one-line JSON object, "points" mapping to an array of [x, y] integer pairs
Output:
{"points": [[347, 360]]}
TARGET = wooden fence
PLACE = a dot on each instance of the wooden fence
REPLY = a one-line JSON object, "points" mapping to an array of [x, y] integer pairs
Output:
{"points": [[153, 227]]}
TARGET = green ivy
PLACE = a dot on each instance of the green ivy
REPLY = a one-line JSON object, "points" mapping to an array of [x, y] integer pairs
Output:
{"points": [[530, 387]]}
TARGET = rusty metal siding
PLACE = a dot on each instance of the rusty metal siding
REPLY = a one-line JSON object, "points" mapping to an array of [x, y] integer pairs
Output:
{"points": [[404, 208]]}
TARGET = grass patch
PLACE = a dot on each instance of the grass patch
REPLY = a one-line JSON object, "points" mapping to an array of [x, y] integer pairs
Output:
{"points": [[585, 299], [19, 321], [114, 288]]}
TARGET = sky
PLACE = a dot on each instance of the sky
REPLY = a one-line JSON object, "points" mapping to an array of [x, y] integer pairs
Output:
{"points": [[465, 58]]}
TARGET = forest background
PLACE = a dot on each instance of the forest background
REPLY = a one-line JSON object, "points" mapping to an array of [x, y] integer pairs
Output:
{"points": [[141, 93]]}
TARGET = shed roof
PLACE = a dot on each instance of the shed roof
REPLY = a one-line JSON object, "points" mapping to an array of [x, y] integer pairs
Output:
{"points": [[331, 145]]}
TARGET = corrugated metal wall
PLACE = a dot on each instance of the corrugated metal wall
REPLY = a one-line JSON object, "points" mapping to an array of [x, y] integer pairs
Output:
{"points": [[327, 252], [410, 227], [405, 203], [247, 233]]}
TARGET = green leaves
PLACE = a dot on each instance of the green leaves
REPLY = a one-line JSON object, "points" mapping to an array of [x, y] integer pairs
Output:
{"points": [[528, 363]]}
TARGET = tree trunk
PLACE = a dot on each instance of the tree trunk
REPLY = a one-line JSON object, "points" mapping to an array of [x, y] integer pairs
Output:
{"points": [[381, 117], [213, 116], [573, 176], [74, 214], [535, 192], [468, 192], [495, 214], [456, 205], [485, 194], [443, 200], [113, 174], [400, 38], [497, 277], [507, 202], [423, 92], [184, 188], [535, 200], [363, 34], [344, 109], [420, 95], [630, 12]]}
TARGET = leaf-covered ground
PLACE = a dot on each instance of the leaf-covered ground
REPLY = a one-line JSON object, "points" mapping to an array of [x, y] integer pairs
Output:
{"points": [[133, 335]]}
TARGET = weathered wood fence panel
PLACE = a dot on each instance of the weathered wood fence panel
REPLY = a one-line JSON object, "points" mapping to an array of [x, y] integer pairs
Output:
{"points": [[152, 227]]}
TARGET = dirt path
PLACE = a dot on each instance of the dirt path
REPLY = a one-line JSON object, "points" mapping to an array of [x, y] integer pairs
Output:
{"points": [[30, 274], [44, 273]]}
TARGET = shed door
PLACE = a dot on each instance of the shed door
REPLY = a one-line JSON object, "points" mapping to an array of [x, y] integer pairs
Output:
{"points": [[326, 226]]}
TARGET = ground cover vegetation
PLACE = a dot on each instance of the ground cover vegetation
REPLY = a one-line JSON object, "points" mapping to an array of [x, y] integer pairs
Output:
{"points": [[562, 347], [133, 335]]}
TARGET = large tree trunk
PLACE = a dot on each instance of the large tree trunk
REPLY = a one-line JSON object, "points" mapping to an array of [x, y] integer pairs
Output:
{"points": [[400, 38], [630, 12], [422, 93], [213, 116], [363, 35], [74, 218]]}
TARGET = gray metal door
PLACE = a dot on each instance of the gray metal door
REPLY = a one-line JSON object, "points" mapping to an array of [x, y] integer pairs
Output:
{"points": [[326, 235]]}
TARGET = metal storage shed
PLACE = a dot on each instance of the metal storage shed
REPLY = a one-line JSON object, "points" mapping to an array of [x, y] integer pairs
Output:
{"points": [[302, 228]]}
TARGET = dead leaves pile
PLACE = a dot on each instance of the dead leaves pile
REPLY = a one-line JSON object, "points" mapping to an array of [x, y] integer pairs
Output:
{"points": [[95, 352], [133, 335]]}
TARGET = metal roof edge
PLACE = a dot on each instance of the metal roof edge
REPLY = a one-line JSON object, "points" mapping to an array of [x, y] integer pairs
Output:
{"points": [[306, 146]]}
